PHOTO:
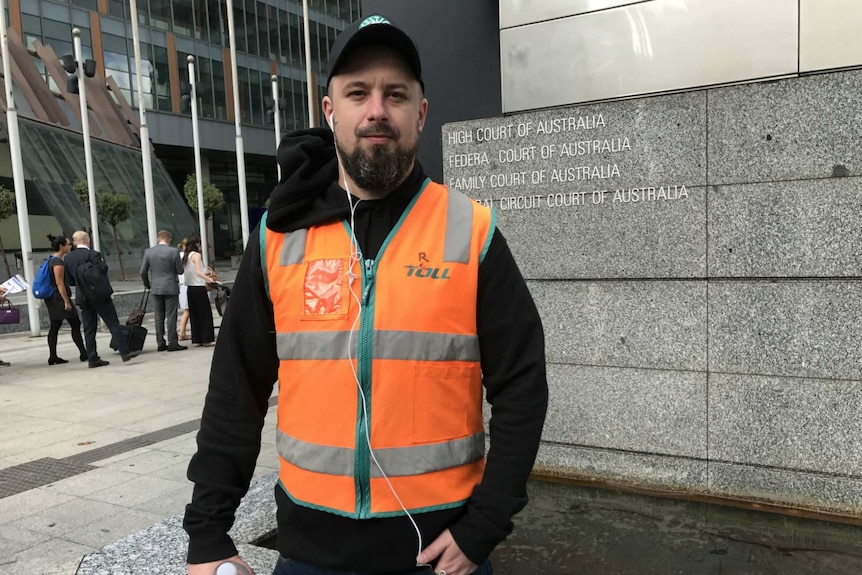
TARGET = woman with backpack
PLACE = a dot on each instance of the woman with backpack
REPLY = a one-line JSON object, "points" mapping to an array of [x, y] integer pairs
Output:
{"points": [[60, 306]]}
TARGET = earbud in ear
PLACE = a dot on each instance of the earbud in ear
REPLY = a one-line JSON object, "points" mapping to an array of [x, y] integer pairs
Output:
{"points": [[331, 124]]}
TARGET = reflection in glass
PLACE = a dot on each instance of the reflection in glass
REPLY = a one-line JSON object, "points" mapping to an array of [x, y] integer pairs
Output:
{"points": [[54, 160]]}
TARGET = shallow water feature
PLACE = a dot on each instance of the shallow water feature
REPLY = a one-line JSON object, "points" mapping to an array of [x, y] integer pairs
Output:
{"points": [[572, 529]]}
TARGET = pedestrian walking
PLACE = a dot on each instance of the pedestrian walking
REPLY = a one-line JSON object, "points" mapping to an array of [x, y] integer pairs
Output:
{"points": [[60, 307], [87, 270]]}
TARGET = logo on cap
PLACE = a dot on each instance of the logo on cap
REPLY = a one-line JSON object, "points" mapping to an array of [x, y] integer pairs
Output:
{"points": [[373, 20]]}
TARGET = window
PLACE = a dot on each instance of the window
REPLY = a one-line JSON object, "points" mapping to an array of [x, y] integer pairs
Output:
{"points": [[239, 26], [162, 77], [250, 27], [244, 91], [206, 102], [217, 22], [256, 86], [297, 51], [32, 30], [160, 14], [201, 28], [92, 5], [263, 30], [115, 9], [184, 18], [219, 93], [274, 49]]}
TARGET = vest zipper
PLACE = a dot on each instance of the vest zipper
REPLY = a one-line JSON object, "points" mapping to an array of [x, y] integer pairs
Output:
{"points": [[366, 329]]}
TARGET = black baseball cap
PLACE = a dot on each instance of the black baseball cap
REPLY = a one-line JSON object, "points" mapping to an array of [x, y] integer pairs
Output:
{"points": [[375, 30]]}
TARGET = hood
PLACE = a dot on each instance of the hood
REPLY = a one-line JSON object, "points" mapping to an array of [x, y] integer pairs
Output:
{"points": [[308, 168]]}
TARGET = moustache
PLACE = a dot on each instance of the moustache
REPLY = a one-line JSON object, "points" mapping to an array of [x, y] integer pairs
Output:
{"points": [[378, 130]]}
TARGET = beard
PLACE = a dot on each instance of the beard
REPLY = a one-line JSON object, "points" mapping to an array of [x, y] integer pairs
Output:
{"points": [[379, 169]]}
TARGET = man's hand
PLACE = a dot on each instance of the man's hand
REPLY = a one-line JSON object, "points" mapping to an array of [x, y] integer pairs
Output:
{"points": [[452, 560], [67, 305], [242, 567]]}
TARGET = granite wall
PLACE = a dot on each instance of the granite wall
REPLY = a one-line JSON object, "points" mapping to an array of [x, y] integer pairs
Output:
{"points": [[696, 261]]}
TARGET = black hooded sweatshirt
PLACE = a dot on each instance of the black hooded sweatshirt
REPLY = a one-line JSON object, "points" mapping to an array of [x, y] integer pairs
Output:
{"points": [[245, 368]]}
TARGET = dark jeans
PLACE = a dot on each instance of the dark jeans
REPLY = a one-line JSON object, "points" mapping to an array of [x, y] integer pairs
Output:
{"points": [[286, 566], [90, 314]]}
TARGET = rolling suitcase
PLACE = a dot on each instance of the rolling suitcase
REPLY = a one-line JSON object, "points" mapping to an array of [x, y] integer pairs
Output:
{"points": [[136, 336]]}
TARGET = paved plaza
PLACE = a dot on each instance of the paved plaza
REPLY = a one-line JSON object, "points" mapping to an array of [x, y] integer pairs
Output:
{"points": [[88, 456]]}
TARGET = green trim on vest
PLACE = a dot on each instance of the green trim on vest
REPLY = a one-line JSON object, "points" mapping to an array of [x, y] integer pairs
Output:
{"points": [[384, 514], [364, 363], [262, 234], [490, 236]]}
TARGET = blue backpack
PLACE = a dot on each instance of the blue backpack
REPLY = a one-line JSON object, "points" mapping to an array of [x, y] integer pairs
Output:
{"points": [[42, 286]]}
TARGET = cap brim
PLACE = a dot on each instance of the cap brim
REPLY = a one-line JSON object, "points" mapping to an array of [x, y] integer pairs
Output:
{"points": [[383, 35]]}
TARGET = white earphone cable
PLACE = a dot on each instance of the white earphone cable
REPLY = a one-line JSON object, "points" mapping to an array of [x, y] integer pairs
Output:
{"points": [[357, 259]]}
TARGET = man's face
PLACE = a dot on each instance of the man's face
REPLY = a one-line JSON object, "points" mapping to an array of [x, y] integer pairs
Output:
{"points": [[378, 112]]}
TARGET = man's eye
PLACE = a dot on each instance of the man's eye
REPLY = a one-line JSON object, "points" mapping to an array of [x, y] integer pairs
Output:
{"points": [[356, 94], [397, 95]]}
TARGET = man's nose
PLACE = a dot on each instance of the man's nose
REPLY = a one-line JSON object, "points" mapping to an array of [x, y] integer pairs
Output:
{"points": [[377, 110]]}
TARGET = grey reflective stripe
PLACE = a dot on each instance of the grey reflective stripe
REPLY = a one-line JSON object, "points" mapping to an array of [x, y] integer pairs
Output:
{"points": [[395, 461], [424, 346], [293, 250], [315, 457], [459, 228], [415, 345], [401, 461], [316, 345]]}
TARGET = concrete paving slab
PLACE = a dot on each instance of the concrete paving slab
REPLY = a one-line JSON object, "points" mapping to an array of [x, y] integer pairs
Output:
{"points": [[137, 491], [53, 557], [149, 462], [90, 482], [67, 518], [20, 505]]}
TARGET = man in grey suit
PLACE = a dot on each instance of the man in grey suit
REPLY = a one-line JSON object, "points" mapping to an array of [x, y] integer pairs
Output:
{"points": [[163, 263]]}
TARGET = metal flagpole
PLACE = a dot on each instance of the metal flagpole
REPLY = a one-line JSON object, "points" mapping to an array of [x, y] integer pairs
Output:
{"points": [[88, 150], [240, 154], [18, 176], [307, 29], [145, 132], [202, 222], [276, 115]]}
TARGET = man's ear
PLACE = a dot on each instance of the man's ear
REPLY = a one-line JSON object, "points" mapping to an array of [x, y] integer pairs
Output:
{"points": [[327, 108], [423, 113]]}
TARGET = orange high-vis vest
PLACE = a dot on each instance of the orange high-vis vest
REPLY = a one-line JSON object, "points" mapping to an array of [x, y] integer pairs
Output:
{"points": [[402, 328]]}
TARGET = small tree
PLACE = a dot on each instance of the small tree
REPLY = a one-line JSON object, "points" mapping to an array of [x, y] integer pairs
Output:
{"points": [[114, 209], [213, 198], [83, 192], [7, 208]]}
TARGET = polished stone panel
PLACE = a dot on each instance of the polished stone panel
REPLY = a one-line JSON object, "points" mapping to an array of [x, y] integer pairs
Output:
{"points": [[786, 229], [796, 489], [793, 328], [649, 411], [648, 324], [654, 471], [786, 422], [788, 130]]}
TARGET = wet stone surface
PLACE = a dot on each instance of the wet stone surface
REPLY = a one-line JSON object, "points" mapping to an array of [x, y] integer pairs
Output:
{"points": [[569, 529]]}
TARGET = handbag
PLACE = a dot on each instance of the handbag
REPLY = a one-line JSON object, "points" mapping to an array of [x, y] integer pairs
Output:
{"points": [[9, 313], [213, 277]]}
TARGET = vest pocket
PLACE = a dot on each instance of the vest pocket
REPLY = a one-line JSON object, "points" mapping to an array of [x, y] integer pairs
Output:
{"points": [[325, 291], [441, 399]]}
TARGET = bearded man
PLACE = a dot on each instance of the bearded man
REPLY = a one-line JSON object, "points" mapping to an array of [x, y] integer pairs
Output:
{"points": [[386, 306]]}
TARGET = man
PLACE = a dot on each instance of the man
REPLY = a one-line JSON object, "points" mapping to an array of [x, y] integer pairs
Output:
{"points": [[94, 305], [163, 261], [382, 303]]}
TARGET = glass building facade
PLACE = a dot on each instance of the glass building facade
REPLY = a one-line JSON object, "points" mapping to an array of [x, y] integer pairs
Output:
{"points": [[269, 38]]}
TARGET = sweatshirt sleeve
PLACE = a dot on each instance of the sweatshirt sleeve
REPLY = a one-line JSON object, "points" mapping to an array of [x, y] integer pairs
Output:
{"points": [[512, 348], [244, 370]]}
